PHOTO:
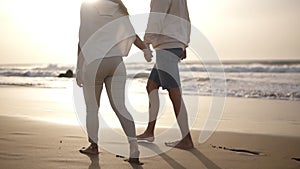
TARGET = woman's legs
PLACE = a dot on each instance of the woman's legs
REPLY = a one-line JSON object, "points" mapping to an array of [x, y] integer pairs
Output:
{"points": [[92, 88], [92, 97], [112, 72], [115, 86]]}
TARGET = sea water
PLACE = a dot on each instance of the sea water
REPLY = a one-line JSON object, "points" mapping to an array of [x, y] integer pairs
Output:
{"points": [[278, 80]]}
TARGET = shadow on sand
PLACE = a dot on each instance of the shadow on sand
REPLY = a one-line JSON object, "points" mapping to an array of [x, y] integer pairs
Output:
{"points": [[96, 165], [174, 164], [94, 161]]}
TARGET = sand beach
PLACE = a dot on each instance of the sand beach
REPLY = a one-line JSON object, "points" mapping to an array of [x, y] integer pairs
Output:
{"points": [[242, 140]]}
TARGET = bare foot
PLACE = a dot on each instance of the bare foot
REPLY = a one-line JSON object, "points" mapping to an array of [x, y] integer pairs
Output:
{"points": [[181, 144], [91, 150], [134, 158], [145, 137]]}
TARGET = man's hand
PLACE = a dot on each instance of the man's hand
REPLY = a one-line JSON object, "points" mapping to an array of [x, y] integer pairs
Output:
{"points": [[183, 55], [79, 78], [148, 54]]}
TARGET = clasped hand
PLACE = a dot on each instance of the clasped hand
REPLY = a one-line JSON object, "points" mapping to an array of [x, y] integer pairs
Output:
{"points": [[148, 54]]}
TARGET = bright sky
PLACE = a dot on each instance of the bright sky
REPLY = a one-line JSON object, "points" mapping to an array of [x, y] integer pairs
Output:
{"points": [[46, 31]]}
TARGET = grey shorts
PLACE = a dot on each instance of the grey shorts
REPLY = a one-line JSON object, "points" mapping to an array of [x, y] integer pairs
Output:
{"points": [[166, 72]]}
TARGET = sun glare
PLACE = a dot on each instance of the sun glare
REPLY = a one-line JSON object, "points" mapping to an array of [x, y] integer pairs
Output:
{"points": [[89, 1]]}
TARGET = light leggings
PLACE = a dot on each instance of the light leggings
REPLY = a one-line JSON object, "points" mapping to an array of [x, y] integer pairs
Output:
{"points": [[112, 72]]}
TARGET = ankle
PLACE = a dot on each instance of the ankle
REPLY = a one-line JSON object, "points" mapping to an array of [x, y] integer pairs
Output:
{"points": [[187, 139], [149, 130], [94, 145], [133, 147], [149, 133]]}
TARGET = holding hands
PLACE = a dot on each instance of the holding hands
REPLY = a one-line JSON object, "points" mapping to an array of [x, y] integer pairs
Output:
{"points": [[148, 54], [144, 47], [79, 73]]}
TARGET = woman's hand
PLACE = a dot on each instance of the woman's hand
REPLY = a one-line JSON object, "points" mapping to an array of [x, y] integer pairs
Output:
{"points": [[79, 78], [144, 47]]}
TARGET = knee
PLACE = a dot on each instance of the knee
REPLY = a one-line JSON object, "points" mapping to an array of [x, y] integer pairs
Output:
{"points": [[151, 87], [118, 109], [123, 114], [148, 88], [92, 112]]}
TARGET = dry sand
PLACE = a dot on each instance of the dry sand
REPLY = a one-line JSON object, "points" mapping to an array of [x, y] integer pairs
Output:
{"points": [[35, 144]]}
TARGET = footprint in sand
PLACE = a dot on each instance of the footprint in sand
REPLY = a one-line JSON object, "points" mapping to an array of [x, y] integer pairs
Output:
{"points": [[240, 151], [296, 159], [21, 134], [11, 156]]}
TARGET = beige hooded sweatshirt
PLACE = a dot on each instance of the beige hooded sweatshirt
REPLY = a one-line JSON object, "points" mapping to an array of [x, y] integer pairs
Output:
{"points": [[169, 24]]}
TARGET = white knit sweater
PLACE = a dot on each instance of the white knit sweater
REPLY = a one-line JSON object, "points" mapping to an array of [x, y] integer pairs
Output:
{"points": [[105, 31]]}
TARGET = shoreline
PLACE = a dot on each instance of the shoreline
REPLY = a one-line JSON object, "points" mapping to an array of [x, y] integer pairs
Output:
{"points": [[257, 116], [162, 93]]}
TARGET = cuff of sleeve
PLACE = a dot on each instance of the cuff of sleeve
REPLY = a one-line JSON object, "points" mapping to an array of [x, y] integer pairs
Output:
{"points": [[148, 38]]}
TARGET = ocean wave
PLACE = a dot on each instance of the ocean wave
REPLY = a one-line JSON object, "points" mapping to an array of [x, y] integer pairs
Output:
{"points": [[294, 96], [21, 84], [51, 70], [54, 67], [138, 75], [28, 74], [263, 94], [242, 68]]}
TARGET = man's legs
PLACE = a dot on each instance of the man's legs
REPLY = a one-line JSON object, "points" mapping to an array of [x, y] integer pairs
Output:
{"points": [[166, 74], [180, 113], [182, 119], [152, 89]]}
